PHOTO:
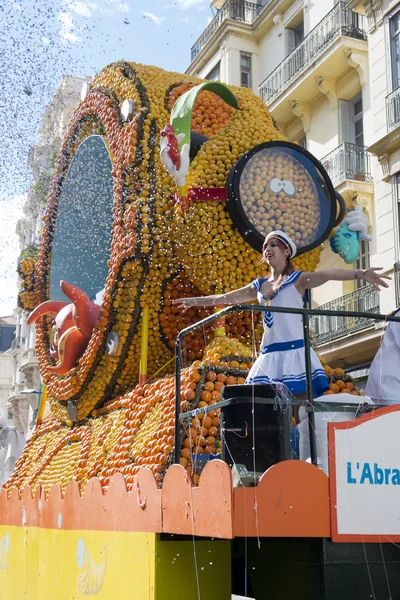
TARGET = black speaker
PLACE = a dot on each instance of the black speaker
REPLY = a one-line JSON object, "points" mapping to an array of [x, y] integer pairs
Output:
{"points": [[255, 429]]}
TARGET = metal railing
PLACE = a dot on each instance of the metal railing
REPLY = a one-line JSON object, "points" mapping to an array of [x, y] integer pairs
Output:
{"points": [[307, 315], [29, 357], [238, 10], [347, 161], [339, 21], [333, 327], [393, 109]]}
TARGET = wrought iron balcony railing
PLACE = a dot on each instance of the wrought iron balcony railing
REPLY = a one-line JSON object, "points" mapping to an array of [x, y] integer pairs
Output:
{"points": [[339, 21], [347, 161], [328, 328], [393, 109], [238, 10]]}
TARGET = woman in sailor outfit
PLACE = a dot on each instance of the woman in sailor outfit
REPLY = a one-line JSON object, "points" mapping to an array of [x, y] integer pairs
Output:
{"points": [[282, 347]]}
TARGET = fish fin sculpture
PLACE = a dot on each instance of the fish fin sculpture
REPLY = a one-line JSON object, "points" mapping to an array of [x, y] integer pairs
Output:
{"points": [[72, 327]]}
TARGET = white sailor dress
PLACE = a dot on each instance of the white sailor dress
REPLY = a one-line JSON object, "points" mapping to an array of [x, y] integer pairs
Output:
{"points": [[282, 354]]}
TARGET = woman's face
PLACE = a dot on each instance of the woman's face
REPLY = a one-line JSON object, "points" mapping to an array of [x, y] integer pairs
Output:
{"points": [[275, 253]]}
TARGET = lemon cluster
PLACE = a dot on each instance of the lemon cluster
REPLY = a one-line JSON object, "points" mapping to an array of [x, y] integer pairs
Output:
{"points": [[296, 213]]}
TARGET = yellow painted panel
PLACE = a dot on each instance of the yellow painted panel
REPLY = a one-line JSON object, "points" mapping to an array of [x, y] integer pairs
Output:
{"points": [[49, 564], [43, 564]]}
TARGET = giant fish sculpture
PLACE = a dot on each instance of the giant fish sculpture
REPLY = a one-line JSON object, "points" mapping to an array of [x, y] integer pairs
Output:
{"points": [[170, 237]]}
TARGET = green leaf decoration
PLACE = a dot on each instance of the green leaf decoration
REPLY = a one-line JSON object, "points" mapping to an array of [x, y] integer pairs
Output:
{"points": [[181, 114]]}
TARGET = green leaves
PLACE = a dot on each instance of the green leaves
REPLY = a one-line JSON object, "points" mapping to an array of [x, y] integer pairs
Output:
{"points": [[181, 114]]}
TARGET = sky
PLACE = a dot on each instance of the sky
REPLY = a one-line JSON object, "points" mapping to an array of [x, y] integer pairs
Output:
{"points": [[40, 41]]}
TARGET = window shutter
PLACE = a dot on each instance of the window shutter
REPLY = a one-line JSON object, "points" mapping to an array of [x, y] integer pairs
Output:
{"points": [[345, 129], [290, 40]]}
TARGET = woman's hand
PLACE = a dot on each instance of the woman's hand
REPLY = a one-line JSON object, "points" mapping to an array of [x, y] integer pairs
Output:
{"points": [[185, 303], [374, 278]]}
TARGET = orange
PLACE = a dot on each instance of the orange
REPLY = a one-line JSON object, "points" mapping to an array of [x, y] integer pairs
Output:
{"points": [[185, 453], [340, 383], [189, 394], [209, 386], [207, 422], [231, 380], [206, 396]]}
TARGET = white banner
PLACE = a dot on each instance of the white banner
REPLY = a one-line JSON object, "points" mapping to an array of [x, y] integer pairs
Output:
{"points": [[364, 471]]}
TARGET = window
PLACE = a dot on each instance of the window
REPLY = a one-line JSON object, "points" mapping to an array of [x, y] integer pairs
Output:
{"points": [[293, 37], [214, 74], [394, 26], [351, 127], [362, 262], [245, 69], [397, 196]]}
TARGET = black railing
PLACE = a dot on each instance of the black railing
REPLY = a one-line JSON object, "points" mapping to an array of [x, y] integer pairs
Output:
{"points": [[393, 109], [397, 283], [339, 21], [306, 314], [333, 327], [348, 161], [238, 10]]}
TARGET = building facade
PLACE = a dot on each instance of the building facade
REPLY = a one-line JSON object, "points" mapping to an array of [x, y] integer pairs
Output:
{"points": [[26, 386], [329, 72], [7, 336]]}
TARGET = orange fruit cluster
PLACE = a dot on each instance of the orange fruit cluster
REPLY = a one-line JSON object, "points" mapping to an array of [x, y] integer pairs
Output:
{"points": [[27, 298], [210, 112], [202, 433], [340, 382], [172, 319]]}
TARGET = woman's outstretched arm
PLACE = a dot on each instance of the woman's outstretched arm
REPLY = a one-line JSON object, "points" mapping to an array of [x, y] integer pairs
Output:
{"points": [[307, 281], [244, 294]]}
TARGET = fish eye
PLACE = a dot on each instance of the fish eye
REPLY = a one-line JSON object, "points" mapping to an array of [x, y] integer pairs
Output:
{"points": [[347, 235]]}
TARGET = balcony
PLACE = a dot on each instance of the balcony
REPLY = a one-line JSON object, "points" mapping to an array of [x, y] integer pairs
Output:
{"points": [[29, 359], [237, 10], [348, 166], [17, 343], [327, 329], [393, 110], [322, 45]]}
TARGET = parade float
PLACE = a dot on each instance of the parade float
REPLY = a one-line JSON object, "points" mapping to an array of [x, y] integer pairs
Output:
{"points": [[110, 498]]}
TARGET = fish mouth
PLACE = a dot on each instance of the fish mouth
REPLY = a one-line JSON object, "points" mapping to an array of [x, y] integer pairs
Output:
{"points": [[345, 251]]}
